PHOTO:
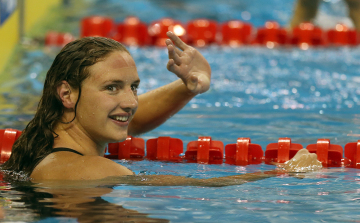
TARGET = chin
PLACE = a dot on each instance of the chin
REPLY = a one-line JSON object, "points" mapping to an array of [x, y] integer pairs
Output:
{"points": [[118, 138]]}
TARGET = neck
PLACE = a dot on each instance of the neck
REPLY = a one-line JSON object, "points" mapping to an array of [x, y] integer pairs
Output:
{"points": [[72, 136]]}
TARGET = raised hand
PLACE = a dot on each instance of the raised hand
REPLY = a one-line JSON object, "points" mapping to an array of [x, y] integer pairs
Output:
{"points": [[188, 64]]}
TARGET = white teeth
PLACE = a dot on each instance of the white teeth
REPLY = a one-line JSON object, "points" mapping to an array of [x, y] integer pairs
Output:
{"points": [[121, 118]]}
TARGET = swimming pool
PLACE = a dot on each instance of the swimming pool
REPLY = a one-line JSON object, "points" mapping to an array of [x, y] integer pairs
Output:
{"points": [[256, 92]]}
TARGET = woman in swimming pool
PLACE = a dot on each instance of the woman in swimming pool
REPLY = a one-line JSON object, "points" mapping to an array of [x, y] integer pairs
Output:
{"points": [[90, 99]]}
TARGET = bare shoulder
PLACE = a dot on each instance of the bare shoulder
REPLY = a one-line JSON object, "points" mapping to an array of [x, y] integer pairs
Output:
{"points": [[105, 166], [65, 166]]}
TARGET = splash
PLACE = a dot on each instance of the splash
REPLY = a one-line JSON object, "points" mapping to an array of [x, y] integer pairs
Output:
{"points": [[302, 162]]}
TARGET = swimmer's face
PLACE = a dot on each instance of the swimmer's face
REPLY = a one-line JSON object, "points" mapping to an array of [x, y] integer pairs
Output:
{"points": [[109, 98]]}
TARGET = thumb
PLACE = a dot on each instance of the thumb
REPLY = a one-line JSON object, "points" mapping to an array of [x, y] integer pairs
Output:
{"points": [[192, 83]]}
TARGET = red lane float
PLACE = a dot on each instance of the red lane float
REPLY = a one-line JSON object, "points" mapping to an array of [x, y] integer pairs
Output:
{"points": [[201, 32], [328, 154], [158, 29], [352, 152], [281, 151], [57, 39], [306, 35], [243, 153], [164, 148], [7, 139], [97, 26], [131, 148], [271, 35], [205, 150], [235, 33], [208, 151], [342, 36], [132, 32]]}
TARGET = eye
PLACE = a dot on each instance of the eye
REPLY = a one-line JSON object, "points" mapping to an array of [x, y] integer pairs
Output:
{"points": [[134, 87], [111, 88]]}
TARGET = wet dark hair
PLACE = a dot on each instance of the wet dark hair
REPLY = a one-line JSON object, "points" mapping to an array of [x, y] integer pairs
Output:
{"points": [[71, 65]]}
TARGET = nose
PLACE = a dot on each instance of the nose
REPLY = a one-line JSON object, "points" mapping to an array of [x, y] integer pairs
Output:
{"points": [[129, 100]]}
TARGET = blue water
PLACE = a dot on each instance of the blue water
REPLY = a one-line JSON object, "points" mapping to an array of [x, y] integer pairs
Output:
{"points": [[256, 92]]}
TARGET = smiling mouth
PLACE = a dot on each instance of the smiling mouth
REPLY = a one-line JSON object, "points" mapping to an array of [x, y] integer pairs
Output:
{"points": [[120, 118]]}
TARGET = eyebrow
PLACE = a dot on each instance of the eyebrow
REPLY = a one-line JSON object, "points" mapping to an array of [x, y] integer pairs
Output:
{"points": [[121, 82]]}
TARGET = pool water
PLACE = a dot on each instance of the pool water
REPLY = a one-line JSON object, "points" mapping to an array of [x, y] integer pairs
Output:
{"points": [[256, 92]]}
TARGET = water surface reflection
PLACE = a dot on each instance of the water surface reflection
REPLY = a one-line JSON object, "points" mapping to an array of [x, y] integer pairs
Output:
{"points": [[79, 201]]}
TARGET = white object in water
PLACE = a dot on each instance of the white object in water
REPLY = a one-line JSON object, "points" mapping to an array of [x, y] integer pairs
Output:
{"points": [[303, 161]]}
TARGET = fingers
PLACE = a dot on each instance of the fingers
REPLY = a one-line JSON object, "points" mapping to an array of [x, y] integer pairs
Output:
{"points": [[172, 52], [172, 67], [168, 43], [178, 52], [191, 82], [177, 41]]}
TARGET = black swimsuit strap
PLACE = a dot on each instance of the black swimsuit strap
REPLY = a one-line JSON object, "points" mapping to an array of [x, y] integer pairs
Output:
{"points": [[58, 149], [64, 149]]}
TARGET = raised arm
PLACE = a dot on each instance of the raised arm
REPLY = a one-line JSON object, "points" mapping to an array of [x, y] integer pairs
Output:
{"points": [[158, 105]]}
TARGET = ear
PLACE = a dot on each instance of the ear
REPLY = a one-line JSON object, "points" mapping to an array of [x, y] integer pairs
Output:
{"points": [[67, 96]]}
